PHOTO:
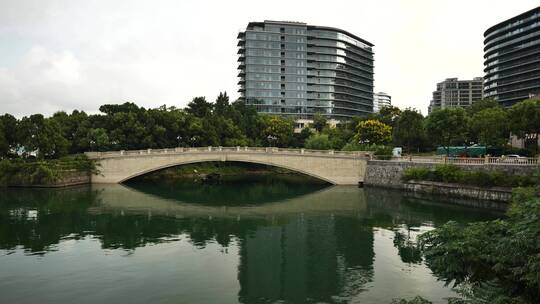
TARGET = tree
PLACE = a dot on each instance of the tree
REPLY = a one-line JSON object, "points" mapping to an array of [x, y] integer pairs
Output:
{"points": [[221, 108], [97, 140], [491, 126], [524, 120], [277, 131], [496, 261], [388, 115], [299, 139], [199, 107], [127, 107], [319, 122], [10, 125], [483, 104], [318, 142], [373, 132], [43, 136], [447, 126], [409, 129], [4, 146]]}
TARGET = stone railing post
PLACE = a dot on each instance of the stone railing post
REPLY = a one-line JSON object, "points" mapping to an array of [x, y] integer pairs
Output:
{"points": [[209, 148], [149, 151], [331, 152], [237, 148], [486, 159], [220, 148], [121, 152], [267, 150], [302, 151]]}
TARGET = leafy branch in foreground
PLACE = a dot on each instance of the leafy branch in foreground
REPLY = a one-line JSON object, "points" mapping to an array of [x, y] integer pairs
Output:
{"points": [[491, 262]]}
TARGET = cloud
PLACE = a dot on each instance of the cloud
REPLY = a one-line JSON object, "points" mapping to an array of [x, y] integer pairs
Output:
{"points": [[65, 55]]}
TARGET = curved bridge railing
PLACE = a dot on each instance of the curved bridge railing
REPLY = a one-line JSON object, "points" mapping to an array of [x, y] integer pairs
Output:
{"points": [[254, 150]]}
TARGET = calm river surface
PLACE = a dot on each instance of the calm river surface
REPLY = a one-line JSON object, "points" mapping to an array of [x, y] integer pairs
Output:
{"points": [[267, 241]]}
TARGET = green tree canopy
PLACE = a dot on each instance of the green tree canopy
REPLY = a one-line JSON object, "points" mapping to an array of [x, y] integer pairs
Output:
{"points": [[499, 261], [221, 108], [10, 125], [4, 146], [126, 107], [43, 136], [491, 126], [318, 142], [524, 120], [277, 131], [447, 127], [409, 129], [199, 107], [373, 132], [319, 122], [388, 115], [483, 104]]}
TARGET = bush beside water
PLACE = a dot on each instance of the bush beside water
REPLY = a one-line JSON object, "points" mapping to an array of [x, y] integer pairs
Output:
{"points": [[454, 174], [42, 172]]}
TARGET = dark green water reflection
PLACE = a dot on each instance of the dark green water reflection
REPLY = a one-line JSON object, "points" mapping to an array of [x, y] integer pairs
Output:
{"points": [[278, 244]]}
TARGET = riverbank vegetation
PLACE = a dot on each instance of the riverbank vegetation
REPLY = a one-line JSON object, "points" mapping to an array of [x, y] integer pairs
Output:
{"points": [[28, 172], [222, 170], [491, 262], [222, 123], [457, 175]]}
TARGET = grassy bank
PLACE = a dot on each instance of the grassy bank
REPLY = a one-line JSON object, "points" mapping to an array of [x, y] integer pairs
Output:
{"points": [[455, 174], [32, 172]]}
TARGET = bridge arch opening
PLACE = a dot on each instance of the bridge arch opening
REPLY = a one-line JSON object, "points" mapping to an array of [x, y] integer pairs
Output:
{"points": [[205, 164]]}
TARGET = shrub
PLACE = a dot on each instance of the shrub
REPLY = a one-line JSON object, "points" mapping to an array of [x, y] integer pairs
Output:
{"points": [[318, 142], [418, 173], [383, 152], [454, 174], [32, 172]]}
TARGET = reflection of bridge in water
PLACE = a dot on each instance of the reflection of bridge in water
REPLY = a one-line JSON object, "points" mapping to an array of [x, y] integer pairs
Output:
{"points": [[319, 246], [336, 167], [307, 247], [337, 200]]}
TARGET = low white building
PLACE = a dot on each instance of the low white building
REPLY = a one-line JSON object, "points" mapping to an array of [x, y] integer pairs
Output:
{"points": [[380, 100]]}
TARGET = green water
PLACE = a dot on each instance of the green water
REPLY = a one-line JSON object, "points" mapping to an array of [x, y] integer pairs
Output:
{"points": [[267, 241]]}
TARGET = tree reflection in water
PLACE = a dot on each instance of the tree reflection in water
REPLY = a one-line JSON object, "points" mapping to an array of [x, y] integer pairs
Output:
{"points": [[313, 247]]}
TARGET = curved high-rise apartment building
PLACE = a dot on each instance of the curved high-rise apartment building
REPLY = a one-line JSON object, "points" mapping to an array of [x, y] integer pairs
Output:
{"points": [[512, 58], [291, 68]]}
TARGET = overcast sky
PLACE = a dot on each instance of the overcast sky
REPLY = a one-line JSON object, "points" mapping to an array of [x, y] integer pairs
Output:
{"points": [[64, 55]]}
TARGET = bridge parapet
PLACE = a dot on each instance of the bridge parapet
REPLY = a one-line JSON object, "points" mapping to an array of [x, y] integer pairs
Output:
{"points": [[255, 150], [336, 167]]}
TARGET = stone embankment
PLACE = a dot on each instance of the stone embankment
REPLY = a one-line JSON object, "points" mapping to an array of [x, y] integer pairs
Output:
{"points": [[72, 178], [388, 174]]}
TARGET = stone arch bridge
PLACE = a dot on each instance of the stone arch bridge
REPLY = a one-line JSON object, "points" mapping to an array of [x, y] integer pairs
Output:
{"points": [[336, 167]]}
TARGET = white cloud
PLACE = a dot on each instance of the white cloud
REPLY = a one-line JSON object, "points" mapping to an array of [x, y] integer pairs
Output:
{"points": [[65, 55]]}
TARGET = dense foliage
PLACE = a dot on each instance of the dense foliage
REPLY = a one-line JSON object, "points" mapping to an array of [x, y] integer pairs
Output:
{"points": [[222, 123], [483, 178], [21, 172], [491, 262]]}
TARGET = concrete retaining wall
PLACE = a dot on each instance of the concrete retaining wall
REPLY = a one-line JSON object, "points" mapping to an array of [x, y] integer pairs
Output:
{"points": [[72, 178], [389, 173], [454, 190]]}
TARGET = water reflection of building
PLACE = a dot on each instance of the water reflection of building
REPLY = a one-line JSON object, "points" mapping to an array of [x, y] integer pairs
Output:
{"points": [[303, 259]]}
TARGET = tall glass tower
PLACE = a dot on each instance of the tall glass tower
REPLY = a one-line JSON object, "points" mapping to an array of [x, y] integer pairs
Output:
{"points": [[512, 58], [295, 69]]}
